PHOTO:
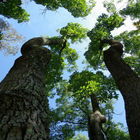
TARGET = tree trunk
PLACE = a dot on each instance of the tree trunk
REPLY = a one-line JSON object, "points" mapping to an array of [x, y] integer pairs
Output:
{"points": [[129, 85], [95, 121], [23, 101]]}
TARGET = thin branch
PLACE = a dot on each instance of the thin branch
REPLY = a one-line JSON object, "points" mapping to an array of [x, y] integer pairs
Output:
{"points": [[83, 111], [74, 122]]}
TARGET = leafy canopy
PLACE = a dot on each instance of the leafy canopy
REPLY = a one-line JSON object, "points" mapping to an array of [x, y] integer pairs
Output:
{"points": [[131, 41], [75, 33], [105, 24], [132, 9], [13, 9], [78, 8], [73, 102], [72, 113], [86, 83]]}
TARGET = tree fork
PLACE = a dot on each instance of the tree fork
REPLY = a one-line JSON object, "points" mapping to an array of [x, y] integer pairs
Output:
{"points": [[23, 101], [129, 85]]}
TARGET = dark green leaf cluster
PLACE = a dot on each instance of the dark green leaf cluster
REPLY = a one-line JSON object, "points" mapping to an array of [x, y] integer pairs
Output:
{"points": [[0, 35], [110, 7], [49, 4], [78, 8], [105, 24], [54, 72], [117, 132], [137, 24], [132, 9], [92, 55], [131, 41], [12, 9], [86, 83]]}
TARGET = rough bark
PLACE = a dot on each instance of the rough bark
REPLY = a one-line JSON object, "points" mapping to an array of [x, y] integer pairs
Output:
{"points": [[23, 101], [95, 121], [129, 85]]}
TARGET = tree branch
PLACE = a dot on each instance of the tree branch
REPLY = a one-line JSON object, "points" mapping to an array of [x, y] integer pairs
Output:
{"points": [[75, 122], [39, 42]]}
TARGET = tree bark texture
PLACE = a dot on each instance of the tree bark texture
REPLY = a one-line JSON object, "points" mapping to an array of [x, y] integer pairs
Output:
{"points": [[95, 121], [129, 85], [23, 101]]}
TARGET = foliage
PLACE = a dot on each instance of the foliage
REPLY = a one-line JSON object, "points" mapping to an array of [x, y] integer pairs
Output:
{"points": [[79, 136], [117, 131], [105, 24], [75, 32], [73, 102], [58, 130], [59, 63], [13, 9], [74, 114], [8, 38], [100, 31], [68, 113], [137, 24], [78, 8], [85, 83], [132, 9], [131, 41], [110, 6], [111, 129], [67, 59]]}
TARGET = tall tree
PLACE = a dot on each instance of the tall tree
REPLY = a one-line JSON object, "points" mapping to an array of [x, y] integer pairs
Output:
{"points": [[128, 83], [24, 105], [22, 85], [13, 9], [74, 107], [85, 85], [127, 80]]}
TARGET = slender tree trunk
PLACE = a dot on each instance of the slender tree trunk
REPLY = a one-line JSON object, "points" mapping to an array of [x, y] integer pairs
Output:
{"points": [[129, 85], [95, 121], [23, 101]]}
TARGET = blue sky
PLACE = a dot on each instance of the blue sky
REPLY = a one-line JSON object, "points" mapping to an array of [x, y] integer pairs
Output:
{"points": [[47, 24]]}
